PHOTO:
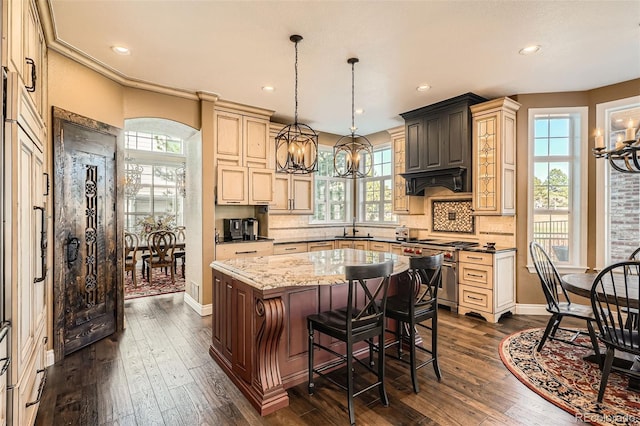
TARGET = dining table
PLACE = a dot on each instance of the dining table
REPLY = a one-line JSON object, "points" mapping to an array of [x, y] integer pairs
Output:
{"points": [[581, 284]]}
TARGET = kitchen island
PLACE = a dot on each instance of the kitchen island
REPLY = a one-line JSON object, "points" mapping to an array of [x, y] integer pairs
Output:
{"points": [[260, 306]]}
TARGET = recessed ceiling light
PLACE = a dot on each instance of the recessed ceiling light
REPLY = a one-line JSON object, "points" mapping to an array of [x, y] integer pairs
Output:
{"points": [[121, 50], [529, 50], [268, 88], [423, 88], [359, 111], [619, 120]]}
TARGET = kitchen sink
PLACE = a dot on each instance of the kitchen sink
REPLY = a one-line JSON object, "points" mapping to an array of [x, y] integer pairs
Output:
{"points": [[354, 237]]}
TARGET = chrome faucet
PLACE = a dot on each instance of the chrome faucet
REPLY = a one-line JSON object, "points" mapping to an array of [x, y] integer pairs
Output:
{"points": [[354, 227]]}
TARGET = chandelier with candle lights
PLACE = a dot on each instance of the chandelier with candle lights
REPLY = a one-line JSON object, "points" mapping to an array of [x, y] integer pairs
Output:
{"points": [[132, 178], [350, 150], [297, 143], [624, 156]]}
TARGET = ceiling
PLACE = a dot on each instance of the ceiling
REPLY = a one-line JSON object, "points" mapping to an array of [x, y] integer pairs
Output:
{"points": [[234, 48]]}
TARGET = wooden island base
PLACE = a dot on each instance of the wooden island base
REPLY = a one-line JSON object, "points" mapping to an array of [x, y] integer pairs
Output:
{"points": [[260, 337]]}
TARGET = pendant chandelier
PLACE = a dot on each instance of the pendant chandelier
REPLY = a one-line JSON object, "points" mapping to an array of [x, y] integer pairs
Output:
{"points": [[132, 178], [297, 143], [181, 178], [624, 156], [349, 151]]}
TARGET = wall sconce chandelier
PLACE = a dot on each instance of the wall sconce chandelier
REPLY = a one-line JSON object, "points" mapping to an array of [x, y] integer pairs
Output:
{"points": [[350, 149], [624, 156], [181, 178], [132, 177], [297, 143]]}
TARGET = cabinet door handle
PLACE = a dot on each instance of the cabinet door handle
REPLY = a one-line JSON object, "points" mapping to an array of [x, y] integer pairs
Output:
{"points": [[40, 388], [476, 275], [46, 185], [73, 245], [474, 257], [233, 202], [247, 252], [474, 298], [43, 245], [290, 248], [31, 88]]}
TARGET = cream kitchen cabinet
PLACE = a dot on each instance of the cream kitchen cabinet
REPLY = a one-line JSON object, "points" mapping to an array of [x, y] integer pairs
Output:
{"points": [[322, 245], [353, 244], [494, 157], [487, 283], [292, 194], [289, 248], [241, 185], [244, 156], [379, 246], [26, 242], [248, 249], [402, 203], [27, 52], [396, 248]]}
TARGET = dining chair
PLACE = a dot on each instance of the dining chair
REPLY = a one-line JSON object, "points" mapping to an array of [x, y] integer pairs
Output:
{"points": [[360, 321], [181, 235], [553, 290], [416, 304], [161, 247], [613, 295], [130, 255]]}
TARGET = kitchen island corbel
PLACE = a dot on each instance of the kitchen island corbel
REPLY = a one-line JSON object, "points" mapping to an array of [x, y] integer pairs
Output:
{"points": [[260, 305]]}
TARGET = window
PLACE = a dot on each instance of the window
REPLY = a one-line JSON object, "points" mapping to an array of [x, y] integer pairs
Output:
{"points": [[557, 195], [375, 192], [159, 157], [618, 223], [332, 194]]}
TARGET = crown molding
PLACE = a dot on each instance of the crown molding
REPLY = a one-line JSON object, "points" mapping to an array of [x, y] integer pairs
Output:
{"points": [[55, 44]]}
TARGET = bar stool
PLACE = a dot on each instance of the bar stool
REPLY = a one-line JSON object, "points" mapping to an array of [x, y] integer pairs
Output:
{"points": [[415, 303], [361, 320]]}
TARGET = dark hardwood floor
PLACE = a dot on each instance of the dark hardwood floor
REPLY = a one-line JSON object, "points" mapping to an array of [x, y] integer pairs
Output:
{"points": [[158, 371]]}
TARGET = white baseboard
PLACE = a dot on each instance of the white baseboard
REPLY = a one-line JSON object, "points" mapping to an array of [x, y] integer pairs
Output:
{"points": [[50, 358], [202, 310], [531, 309]]}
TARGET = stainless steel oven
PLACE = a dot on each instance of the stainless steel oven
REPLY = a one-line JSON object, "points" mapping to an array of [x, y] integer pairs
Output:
{"points": [[448, 290]]}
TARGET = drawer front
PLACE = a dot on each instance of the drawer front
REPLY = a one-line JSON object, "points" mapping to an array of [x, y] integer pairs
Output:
{"points": [[473, 257], [378, 246], [321, 246], [289, 248], [476, 298], [476, 275], [235, 250]]}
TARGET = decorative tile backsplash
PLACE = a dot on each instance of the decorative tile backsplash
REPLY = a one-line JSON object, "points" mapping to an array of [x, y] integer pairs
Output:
{"points": [[453, 216]]}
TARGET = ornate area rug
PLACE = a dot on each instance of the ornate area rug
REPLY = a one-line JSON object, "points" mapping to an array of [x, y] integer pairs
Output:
{"points": [[161, 284], [559, 374]]}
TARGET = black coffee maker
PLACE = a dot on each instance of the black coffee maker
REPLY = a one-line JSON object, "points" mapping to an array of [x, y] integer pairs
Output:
{"points": [[232, 229], [250, 229]]}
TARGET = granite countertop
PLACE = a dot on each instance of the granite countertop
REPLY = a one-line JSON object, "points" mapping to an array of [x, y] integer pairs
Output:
{"points": [[319, 239], [324, 267], [484, 249], [260, 239]]}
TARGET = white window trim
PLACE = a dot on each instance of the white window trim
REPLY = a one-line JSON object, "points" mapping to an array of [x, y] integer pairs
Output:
{"points": [[360, 191], [602, 183], [580, 265], [348, 197]]}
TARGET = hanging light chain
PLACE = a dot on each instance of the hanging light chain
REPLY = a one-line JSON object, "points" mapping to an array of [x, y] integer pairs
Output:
{"points": [[353, 90], [295, 120]]}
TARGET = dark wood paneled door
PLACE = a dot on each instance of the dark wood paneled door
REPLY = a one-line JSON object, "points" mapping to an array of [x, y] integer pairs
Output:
{"points": [[88, 298]]}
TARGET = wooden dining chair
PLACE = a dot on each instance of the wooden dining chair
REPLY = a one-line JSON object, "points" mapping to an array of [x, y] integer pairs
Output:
{"points": [[553, 292], [161, 246], [416, 304], [614, 294], [181, 235], [130, 255], [361, 320]]}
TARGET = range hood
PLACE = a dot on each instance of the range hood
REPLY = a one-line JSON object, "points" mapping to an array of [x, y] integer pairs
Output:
{"points": [[454, 178], [438, 145]]}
